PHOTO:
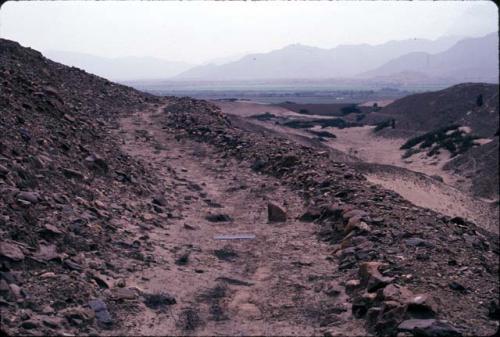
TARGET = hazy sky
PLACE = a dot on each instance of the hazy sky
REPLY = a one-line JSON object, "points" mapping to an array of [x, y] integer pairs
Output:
{"points": [[198, 31]]}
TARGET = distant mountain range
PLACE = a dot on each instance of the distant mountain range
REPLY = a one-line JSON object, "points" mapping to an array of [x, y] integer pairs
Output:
{"points": [[122, 68], [299, 61], [448, 60], [469, 60]]}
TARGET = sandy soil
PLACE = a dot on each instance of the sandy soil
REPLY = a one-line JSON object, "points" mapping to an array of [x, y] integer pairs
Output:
{"points": [[362, 143], [249, 108], [427, 192], [271, 285]]}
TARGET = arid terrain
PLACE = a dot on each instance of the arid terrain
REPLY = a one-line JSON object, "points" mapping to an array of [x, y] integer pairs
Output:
{"points": [[123, 213]]}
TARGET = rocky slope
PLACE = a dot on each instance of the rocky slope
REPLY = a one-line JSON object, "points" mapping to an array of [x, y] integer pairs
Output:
{"points": [[64, 187], [111, 201], [481, 165]]}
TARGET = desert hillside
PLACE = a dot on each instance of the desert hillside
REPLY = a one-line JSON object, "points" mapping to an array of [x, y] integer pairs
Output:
{"points": [[123, 213], [462, 121], [474, 105]]}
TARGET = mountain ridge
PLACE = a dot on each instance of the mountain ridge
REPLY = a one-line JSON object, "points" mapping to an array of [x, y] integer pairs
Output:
{"points": [[472, 59], [313, 62], [119, 68]]}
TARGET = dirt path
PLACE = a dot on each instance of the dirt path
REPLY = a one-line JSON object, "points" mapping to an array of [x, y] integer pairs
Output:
{"points": [[275, 284]]}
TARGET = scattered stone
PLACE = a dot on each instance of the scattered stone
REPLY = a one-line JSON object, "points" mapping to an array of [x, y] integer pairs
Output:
{"points": [[147, 216], [189, 320], [99, 204], [417, 242], [358, 225], [96, 162], [428, 328], [192, 228], [47, 253], [11, 251], [361, 303], [218, 218], [160, 200], [49, 229], [16, 291], [47, 309], [225, 254], [31, 197], [377, 221], [422, 306], [370, 276], [76, 315], [120, 283], [3, 171], [182, 260], [123, 294], [101, 280], [311, 214], [30, 324], [73, 265], [394, 292], [494, 310], [458, 220], [233, 281], [354, 213], [52, 321], [158, 300], [258, 165], [48, 274], [101, 311], [4, 288], [352, 284], [332, 289], [70, 173], [457, 286]]}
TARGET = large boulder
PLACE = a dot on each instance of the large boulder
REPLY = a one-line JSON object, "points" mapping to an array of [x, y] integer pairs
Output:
{"points": [[275, 213]]}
